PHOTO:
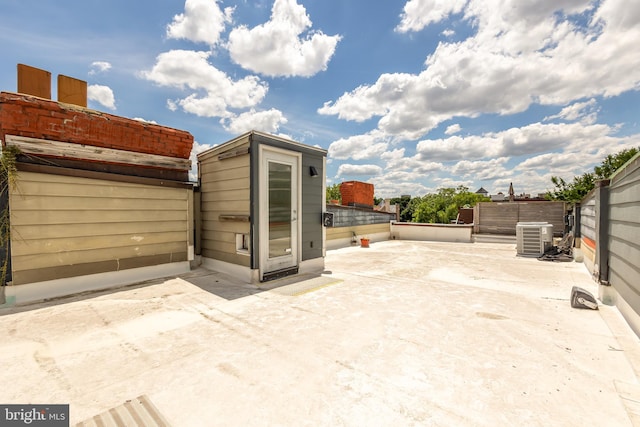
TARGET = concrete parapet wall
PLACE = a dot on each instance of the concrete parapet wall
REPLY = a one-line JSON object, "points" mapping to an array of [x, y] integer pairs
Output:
{"points": [[340, 237], [432, 232]]}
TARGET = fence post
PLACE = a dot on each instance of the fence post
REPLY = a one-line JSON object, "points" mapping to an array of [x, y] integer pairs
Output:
{"points": [[601, 269], [476, 218], [576, 221]]}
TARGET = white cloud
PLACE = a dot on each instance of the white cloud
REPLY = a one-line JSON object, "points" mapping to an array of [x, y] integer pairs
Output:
{"points": [[195, 150], [574, 160], [480, 169], [562, 163], [359, 147], [452, 182], [393, 155], [266, 121], [277, 47], [417, 14], [395, 184], [498, 69], [202, 21], [531, 139], [585, 111], [199, 148], [215, 91], [414, 165], [491, 159], [99, 67], [102, 95], [453, 129], [448, 32], [358, 170], [529, 182], [364, 101], [140, 119]]}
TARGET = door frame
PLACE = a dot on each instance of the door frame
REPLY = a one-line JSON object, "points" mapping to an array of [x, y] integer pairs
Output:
{"points": [[266, 154]]}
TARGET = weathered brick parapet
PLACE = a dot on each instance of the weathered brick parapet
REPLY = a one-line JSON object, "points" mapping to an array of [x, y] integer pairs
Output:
{"points": [[30, 116]]}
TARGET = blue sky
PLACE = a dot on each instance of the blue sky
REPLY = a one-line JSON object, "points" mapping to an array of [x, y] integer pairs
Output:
{"points": [[410, 95]]}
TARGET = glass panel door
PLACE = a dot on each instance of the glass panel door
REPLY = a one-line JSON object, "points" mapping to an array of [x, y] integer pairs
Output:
{"points": [[279, 209], [279, 205]]}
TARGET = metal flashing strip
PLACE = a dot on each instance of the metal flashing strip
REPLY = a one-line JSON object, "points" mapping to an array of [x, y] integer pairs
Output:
{"points": [[233, 153], [278, 274], [138, 412]]}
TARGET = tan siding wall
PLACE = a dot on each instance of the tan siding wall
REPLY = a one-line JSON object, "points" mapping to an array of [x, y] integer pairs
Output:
{"points": [[67, 226], [225, 190], [360, 230]]}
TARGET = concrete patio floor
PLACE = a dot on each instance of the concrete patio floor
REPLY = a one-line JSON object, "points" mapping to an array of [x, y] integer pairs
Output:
{"points": [[399, 334]]}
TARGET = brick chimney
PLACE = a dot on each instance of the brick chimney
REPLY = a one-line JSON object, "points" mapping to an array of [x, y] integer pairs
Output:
{"points": [[356, 193]]}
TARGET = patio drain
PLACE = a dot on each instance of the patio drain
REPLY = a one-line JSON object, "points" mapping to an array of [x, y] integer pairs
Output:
{"points": [[301, 287], [138, 412]]}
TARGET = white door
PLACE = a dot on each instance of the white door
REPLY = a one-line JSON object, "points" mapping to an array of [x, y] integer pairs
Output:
{"points": [[279, 207]]}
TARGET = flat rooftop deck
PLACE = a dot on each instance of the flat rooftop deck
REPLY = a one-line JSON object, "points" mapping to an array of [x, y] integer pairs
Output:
{"points": [[402, 333]]}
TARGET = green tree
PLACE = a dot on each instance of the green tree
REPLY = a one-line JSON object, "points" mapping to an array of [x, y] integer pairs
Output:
{"points": [[333, 192], [572, 191], [442, 207], [575, 190], [406, 208], [613, 162]]}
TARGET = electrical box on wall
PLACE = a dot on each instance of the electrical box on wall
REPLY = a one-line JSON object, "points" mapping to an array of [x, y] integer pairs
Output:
{"points": [[327, 219]]}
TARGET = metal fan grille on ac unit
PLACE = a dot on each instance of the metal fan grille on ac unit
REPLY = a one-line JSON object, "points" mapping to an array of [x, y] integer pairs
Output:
{"points": [[533, 238]]}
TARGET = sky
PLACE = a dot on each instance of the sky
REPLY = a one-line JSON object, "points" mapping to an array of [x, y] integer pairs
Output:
{"points": [[411, 96]]}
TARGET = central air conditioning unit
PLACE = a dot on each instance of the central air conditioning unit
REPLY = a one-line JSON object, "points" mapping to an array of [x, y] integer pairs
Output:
{"points": [[533, 238]]}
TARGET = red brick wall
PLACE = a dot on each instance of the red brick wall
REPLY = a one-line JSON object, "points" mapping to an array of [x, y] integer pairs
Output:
{"points": [[29, 116], [356, 193]]}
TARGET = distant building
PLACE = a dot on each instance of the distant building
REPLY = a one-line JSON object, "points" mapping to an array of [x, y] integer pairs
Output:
{"points": [[498, 197], [525, 197], [386, 206], [482, 191]]}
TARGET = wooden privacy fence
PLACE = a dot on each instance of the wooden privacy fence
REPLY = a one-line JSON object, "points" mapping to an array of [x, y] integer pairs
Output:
{"points": [[502, 218]]}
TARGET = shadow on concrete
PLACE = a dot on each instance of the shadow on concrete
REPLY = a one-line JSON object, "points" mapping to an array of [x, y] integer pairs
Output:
{"points": [[218, 284]]}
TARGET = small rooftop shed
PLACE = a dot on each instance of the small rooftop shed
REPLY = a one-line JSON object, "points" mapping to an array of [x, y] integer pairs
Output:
{"points": [[262, 201]]}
